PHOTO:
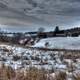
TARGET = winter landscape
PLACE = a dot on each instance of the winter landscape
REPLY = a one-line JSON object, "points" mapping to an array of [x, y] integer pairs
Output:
{"points": [[39, 40]]}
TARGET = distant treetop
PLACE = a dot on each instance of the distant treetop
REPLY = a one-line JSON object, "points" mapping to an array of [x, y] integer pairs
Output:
{"points": [[56, 29], [41, 29]]}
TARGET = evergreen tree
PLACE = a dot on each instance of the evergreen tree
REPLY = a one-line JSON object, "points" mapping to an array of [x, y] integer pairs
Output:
{"points": [[56, 29]]}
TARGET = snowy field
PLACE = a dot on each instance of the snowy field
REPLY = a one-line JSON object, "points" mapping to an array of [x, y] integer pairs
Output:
{"points": [[18, 57], [23, 58], [60, 43]]}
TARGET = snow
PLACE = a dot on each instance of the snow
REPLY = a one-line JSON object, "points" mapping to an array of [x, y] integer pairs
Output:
{"points": [[60, 66], [21, 52], [10, 35], [60, 43], [25, 58], [33, 57]]}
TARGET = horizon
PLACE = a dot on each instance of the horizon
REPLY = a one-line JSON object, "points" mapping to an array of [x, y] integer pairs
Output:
{"points": [[24, 29]]}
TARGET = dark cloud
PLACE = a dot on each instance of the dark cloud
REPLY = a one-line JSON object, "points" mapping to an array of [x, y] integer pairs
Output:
{"points": [[69, 12], [73, 0], [55, 7], [52, 11], [68, 8]]}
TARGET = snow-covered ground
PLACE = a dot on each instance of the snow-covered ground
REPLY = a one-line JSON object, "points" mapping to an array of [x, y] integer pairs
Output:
{"points": [[22, 58], [18, 57], [60, 43]]}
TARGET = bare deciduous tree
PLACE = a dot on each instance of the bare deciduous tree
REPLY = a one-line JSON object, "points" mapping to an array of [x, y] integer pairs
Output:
{"points": [[41, 29]]}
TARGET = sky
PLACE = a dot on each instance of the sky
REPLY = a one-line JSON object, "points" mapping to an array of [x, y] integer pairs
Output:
{"points": [[39, 13]]}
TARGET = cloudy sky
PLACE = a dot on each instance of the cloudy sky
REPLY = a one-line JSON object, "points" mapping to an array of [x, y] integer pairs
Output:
{"points": [[41, 13]]}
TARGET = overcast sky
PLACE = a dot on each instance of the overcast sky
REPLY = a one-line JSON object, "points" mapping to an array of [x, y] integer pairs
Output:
{"points": [[64, 13]]}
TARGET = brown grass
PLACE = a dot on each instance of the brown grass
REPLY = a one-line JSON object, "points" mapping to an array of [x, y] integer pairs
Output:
{"points": [[71, 54], [35, 74], [61, 76], [77, 76], [7, 73]]}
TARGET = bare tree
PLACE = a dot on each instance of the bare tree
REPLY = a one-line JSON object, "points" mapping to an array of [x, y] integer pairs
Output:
{"points": [[41, 29]]}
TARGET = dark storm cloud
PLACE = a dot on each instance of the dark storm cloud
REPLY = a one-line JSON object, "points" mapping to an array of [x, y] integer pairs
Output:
{"points": [[69, 12], [59, 12], [55, 7], [67, 8], [73, 0]]}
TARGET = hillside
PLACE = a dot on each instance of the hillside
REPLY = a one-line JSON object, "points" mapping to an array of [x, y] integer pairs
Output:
{"points": [[60, 43]]}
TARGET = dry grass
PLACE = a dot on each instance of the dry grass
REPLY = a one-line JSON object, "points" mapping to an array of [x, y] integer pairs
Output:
{"points": [[61, 76], [71, 54], [35, 74], [7, 73], [77, 76]]}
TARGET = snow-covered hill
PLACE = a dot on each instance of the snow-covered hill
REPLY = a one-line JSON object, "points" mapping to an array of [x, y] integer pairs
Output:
{"points": [[60, 43]]}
